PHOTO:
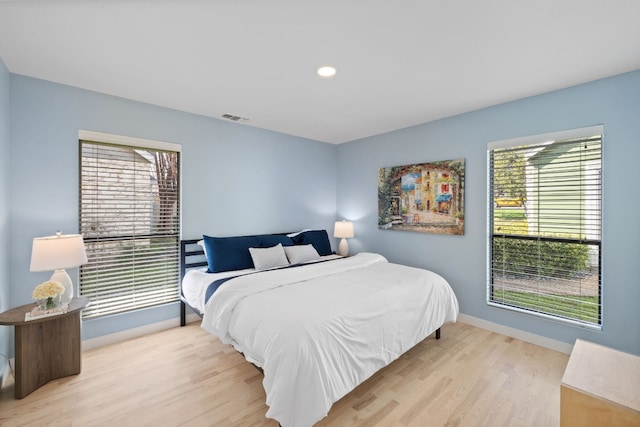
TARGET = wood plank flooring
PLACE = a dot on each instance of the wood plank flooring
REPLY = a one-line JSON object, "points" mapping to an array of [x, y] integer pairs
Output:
{"points": [[186, 377]]}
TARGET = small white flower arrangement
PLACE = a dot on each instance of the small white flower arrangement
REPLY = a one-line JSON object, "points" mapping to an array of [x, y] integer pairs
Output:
{"points": [[48, 294]]}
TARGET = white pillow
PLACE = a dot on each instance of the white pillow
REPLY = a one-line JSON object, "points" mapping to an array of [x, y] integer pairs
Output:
{"points": [[264, 258], [204, 248], [301, 253]]}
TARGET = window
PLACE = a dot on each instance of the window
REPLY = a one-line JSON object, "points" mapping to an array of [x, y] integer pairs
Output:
{"points": [[544, 235], [130, 221]]}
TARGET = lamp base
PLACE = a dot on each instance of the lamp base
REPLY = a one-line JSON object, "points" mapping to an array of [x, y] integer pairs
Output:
{"points": [[63, 278], [343, 248]]}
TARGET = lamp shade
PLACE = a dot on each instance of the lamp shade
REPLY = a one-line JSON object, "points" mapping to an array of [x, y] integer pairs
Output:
{"points": [[57, 252], [343, 229]]}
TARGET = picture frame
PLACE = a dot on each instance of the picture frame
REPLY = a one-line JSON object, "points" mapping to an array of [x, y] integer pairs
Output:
{"points": [[423, 197]]}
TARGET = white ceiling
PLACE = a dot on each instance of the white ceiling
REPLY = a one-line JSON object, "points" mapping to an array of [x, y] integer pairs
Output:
{"points": [[400, 63]]}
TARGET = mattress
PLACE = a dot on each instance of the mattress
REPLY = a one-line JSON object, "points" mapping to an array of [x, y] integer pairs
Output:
{"points": [[196, 281]]}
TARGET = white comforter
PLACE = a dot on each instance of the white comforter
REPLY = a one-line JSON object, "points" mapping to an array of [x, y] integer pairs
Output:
{"points": [[320, 330]]}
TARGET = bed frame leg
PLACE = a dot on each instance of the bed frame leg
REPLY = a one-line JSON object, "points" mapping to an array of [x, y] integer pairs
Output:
{"points": [[438, 333], [183, 314]]}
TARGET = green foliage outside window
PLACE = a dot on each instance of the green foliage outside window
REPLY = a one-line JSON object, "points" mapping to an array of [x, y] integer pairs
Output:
{"points": [[525, 258]]}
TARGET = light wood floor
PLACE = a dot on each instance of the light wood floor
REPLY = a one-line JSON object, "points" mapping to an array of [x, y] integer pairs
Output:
{"points": [[184, 376]]}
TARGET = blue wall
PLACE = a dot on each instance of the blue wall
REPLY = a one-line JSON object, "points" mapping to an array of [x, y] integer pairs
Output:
{"points": [[241, 180], [614, 102], [235, 179], [4, 209]]}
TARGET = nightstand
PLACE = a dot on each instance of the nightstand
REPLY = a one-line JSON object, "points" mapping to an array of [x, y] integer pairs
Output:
{"points": [[46, 348]]}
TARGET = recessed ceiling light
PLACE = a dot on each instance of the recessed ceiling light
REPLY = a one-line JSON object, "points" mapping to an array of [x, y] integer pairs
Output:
{"points": [[326, 71]]}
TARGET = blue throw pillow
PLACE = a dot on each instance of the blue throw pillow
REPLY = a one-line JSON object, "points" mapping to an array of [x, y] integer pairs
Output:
{"points": [[229, 253], [269, 240], [318, 238]]}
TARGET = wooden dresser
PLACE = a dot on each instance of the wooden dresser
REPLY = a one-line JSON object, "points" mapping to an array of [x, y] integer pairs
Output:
{"points": [[600, 387]]}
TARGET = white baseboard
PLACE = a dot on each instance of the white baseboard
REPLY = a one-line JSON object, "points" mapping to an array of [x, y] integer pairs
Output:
{"points": [[135, 332], [549, 343]]}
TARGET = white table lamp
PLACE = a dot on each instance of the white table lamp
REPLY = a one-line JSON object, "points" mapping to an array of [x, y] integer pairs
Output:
{"points": [[57, 253], [343, 230]]}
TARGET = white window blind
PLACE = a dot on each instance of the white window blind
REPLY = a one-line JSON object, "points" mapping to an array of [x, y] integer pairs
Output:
{"points": [[545, 226], [130, 221]]}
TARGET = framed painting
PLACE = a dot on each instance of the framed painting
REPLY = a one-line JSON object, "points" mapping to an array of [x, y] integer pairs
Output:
{"points": [[424, 197]]}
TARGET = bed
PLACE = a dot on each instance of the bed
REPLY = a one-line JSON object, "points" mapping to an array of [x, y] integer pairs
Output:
{"points": [[316, 325]]}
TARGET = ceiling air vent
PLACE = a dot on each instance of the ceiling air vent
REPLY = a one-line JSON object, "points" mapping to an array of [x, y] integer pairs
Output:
{"points": [[232, 117]]}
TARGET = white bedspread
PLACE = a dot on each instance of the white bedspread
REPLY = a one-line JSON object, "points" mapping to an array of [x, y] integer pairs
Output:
{"points": [[320, 330]]}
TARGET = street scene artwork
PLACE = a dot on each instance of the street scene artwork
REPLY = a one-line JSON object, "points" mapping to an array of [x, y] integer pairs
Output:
{"points": [[425, 197]]}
